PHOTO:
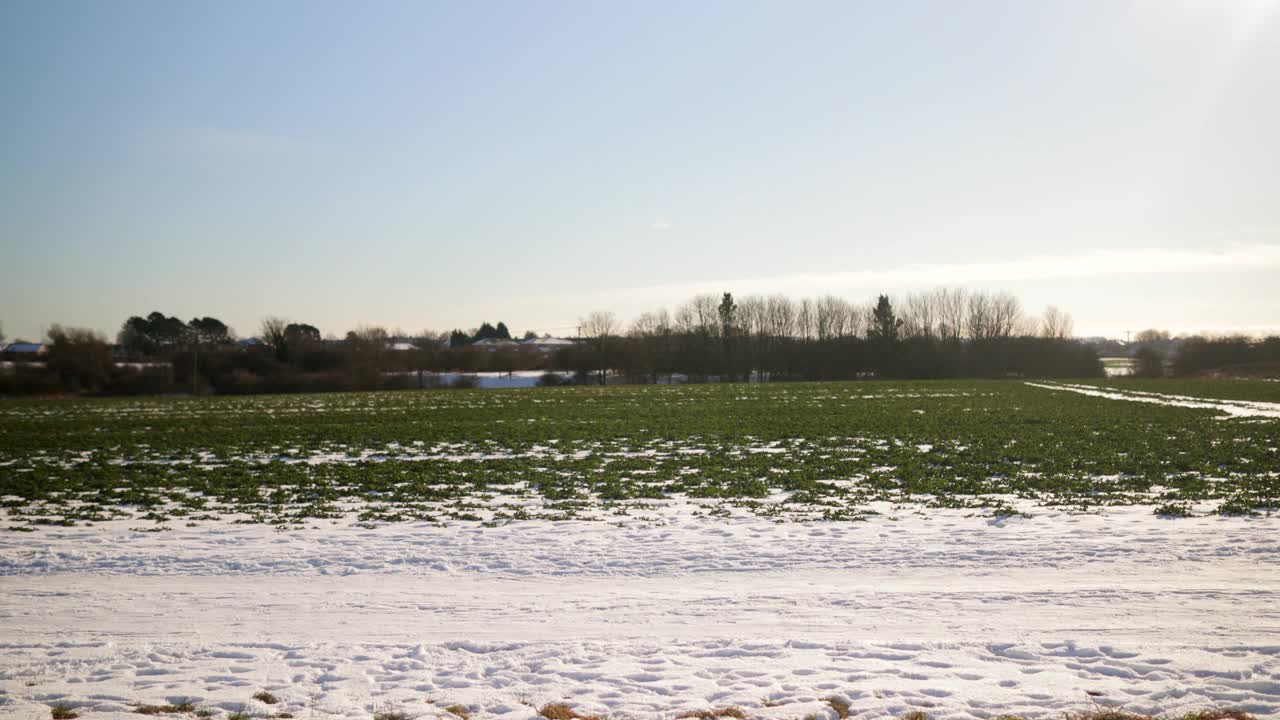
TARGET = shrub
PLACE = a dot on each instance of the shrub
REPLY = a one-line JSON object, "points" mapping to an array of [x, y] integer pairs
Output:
{"points": [[30, 380], [1148, 363], [1173, 510], [141, 381], [81, 358]]}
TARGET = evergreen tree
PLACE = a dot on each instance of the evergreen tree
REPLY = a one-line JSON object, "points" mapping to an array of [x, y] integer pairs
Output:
{"points": [[210, 331], [486, 332], [153, 334], [300, 333], [884, 324], [728, 309]]}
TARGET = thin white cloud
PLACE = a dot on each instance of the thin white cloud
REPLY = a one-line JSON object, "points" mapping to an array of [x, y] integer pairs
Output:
{"points": [[1091, 264], [660, 226]]}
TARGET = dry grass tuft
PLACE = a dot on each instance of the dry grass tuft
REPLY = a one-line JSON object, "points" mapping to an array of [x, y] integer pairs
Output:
{"points": [[63, 711], [266, 697], [186, 706], [459, 710], [561, 711], [390, 715], [724, 712], [1217, 714], [914, 715], [840, 705]]}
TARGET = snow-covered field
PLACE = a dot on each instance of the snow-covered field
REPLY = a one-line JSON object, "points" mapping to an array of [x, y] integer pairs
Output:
{"points": [[952, 613], [1229, 408]]}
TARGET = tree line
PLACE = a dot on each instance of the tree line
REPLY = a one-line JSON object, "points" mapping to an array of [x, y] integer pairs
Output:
{"points": [[942, 333], [937, 334], [159, 354], [1156, 354]]}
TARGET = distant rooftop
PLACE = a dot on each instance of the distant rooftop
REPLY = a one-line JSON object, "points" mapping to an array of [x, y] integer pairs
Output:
{"points": [[549, 341], [24, 347]]}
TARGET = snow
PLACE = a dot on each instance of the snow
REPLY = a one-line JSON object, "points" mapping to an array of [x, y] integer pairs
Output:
{"points": [[500, 380], [953, 613], [1230, 408]]}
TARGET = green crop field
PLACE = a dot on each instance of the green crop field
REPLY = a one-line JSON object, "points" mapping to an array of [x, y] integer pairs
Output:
{"points": [[835, 451]]}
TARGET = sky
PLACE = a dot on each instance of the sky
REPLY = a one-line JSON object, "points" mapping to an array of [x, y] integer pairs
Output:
{"points": [[430, 165]]}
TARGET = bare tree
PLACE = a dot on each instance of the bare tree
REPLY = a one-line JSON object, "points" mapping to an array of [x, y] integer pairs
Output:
{"points": [[644, 326], [994, 316], [370, 336], [706, 311], [952, 307], [920, 315], [752, 314], [806, 320], [699, 315], [1056, 324], [664, 325], [833, 318], [431, 338], [600, 326], [272, 333], [685, 320], [850, 325], [860, 320], [651, 324], [780, 316], [824, 311], [651, 331], [1006, 316]]}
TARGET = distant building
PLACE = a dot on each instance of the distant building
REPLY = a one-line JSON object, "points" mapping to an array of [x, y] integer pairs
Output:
{"points": [[25, 349], [492, 344], [548, 345], [402, 346]]}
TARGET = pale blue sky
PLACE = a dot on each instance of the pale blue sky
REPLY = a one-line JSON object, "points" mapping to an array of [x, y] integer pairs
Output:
{"points": [[431, 165]]}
